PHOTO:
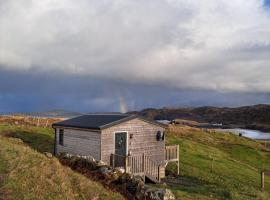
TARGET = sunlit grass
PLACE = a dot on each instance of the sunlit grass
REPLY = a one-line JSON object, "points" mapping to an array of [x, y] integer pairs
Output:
{"points": [[31, 175], [237, 164]]}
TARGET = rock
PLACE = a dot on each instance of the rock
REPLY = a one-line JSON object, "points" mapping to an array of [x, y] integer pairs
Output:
{"points": [[100, 163], [152, 193], [64, 155], [49, 155], [112, 176], [135, 184], [119, 170], [168, 195], [104, 170], [89, 158]]}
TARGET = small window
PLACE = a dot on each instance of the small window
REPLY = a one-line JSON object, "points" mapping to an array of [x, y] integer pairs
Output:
{"points": [[61, 136]]}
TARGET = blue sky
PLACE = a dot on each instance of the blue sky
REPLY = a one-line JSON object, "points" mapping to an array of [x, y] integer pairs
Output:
{"points": [[117, 56]]}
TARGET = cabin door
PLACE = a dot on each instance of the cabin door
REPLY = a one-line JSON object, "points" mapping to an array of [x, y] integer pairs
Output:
{"points": [[121, 143]]}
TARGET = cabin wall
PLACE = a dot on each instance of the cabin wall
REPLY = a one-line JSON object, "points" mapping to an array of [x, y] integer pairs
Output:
{"points": [[143, 140], [79, 142]]}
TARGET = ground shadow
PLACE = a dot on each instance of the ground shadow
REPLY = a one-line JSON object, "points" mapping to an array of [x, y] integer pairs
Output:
{"points": [[194, 185], [42, 142]]}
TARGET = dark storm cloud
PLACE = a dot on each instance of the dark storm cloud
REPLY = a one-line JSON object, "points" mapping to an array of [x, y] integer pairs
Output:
{"points": [[210, 45], [30, 91], [112, 55]]}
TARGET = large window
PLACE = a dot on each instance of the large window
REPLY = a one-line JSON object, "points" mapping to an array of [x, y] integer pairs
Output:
{"points": [[61, 136]]}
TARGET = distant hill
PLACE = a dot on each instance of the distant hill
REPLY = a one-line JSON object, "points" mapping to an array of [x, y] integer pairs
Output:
{"points": [[53, 114], [59, 113], [255, 117]]}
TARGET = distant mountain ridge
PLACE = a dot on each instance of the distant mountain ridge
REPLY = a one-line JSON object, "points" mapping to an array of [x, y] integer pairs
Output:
{"points": [[254, 117], [53, 114], [59, 113]]}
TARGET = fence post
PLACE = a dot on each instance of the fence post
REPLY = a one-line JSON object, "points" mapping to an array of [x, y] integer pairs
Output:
{"points": [[262, 181], [212, 164], [38, 122], [178, 162]]}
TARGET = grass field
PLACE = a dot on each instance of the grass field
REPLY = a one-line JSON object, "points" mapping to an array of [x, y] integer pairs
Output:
{"points": [[236, 166], [25, 173], [28, 174]]}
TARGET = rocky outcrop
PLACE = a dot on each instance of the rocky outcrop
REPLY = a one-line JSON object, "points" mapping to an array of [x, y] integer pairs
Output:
{"points": [[156, 194], [133, 186]]}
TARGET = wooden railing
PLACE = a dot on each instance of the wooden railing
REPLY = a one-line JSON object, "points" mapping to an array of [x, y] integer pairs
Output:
{"points": [[152, 170], [172, 153], [118, 160], [143, 165], [137, 165]]}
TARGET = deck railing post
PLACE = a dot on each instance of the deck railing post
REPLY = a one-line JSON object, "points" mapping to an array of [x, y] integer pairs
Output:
{"points": [[143, 163], [126, 163], [158, 173], [113, 158]]}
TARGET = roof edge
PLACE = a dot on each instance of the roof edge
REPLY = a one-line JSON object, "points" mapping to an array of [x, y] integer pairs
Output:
{"points": [[76, 127], [129, 117], [133, 117]]}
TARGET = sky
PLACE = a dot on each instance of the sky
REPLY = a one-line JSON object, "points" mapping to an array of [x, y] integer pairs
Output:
{"points": [[104, 56]]}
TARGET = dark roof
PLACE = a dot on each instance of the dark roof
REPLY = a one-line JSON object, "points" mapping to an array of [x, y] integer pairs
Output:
{"points": [[100, 121]]}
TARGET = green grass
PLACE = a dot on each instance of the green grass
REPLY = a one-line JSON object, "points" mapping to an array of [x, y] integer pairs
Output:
{"points": [[40, 139], [25, 173], [237, 165]]}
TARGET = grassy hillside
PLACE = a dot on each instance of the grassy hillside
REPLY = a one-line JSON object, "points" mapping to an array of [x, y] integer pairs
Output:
{"points": [[25, 173], [237, 163]]}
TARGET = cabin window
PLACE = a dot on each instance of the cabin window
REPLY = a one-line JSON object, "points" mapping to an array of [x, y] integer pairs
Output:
{"points": [[160, 136], [61, 136]]}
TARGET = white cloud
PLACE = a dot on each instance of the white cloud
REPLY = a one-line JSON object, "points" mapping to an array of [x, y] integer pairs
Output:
{"points": [[209, 44]]}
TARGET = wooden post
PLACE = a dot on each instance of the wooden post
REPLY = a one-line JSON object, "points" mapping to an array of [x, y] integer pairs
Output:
{"points": [[144, 166], [38, 122], [158, 173], [113, 160], [262, 181], [126, 163], [212, 164], [143, 163], [178, 162]]}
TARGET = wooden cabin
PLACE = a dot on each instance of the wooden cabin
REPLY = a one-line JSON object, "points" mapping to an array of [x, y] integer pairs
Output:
{"points": [[119, 140]]}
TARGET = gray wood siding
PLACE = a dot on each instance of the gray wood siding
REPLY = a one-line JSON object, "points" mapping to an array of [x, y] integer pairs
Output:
{"points": [[143, 141], [79, 142]]}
